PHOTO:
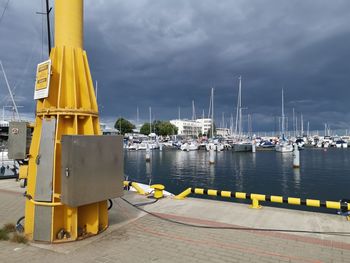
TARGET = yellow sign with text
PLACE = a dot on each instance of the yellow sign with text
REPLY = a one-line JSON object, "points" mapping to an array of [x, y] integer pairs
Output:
{"points": [[42, 82]]}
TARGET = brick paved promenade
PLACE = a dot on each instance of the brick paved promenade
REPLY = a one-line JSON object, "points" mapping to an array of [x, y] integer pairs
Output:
{"points": [[136, 237]]}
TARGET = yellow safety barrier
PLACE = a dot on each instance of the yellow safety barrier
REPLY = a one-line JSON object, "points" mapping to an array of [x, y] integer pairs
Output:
{"points": [[136, 186], [184, 194], [256, 198]]}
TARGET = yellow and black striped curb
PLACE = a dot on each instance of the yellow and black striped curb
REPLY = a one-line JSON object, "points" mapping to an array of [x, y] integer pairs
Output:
{"points": [[343, 205]]}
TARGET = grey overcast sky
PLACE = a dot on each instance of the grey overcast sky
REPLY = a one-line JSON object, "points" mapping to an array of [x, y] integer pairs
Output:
{"points": [[166, 53]]}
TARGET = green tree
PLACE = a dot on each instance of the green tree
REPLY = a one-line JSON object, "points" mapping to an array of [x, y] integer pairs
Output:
{"points": [[166, 128], [156, 126], [209, 135], [145, 129], [124, 126], [163, 128]]}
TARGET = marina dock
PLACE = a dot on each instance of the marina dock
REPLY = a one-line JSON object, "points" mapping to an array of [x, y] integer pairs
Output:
{"points": [[188, 230]]}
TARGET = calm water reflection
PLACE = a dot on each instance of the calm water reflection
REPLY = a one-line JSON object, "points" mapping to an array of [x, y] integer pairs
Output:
{"points": [[323, 175]]}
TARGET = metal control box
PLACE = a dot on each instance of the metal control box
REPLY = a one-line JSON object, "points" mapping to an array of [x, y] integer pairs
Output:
{"points": [[92, 169], [18, 140]]}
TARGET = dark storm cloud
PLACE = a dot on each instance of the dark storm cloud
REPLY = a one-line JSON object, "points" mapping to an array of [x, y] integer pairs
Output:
{"points": [[165, 53]]}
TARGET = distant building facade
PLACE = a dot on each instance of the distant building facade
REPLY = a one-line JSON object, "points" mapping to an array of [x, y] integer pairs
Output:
{"points": [[187, 127], [192, 127], [205, 124]]}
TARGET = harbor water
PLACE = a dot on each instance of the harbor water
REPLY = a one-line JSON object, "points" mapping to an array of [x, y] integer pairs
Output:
{"points": [[323, 174]]}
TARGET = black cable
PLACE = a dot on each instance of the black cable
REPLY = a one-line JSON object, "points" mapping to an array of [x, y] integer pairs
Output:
{"points": [[3, 12], [146, 203], [110, 204], [20, 219], [239, 228], [19, 226]]}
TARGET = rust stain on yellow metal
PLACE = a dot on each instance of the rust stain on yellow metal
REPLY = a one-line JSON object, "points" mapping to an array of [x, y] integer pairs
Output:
{"points": [[72, 103]]}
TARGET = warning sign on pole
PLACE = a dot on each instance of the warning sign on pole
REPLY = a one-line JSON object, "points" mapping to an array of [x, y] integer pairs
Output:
{"points": [[42, 82]]}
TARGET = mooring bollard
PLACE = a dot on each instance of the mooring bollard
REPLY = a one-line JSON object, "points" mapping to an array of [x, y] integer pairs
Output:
{"points": [[158, 190], [148, 154], [253, 147], [211, 156], [296, 157], [255, 204]]}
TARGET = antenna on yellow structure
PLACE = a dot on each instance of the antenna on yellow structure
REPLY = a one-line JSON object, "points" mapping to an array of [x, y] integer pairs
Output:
{"points": [[66, 105]]}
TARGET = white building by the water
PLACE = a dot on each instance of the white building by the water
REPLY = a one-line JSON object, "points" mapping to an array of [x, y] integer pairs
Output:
{"points": [[205, 124], [192, 127], [187, 127]]}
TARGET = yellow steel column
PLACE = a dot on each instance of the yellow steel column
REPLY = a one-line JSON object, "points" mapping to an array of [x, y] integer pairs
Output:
{"points": [[69, 23], [72, 105]]}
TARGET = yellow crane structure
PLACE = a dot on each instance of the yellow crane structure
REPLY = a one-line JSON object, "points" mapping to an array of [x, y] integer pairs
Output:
{"points": [[69, 109]]}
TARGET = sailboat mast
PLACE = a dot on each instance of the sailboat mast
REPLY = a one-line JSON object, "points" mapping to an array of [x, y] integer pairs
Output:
{"points": [[193, 111], [48, 10], [9, 89], [237, 110], [240, 107], [294, 123], [223, 120], [282, 125], [212, 112], [301, 125], [209, 111], [150, 120]]}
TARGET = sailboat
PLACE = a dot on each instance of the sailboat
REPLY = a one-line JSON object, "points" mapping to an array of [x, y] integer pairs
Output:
{"points": [[213, 144], [241, 145], [283, 145]]}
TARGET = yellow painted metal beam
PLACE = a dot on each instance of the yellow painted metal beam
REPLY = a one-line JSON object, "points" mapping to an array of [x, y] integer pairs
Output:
{"points": [[225, 193], [69, 23], [276, 199], [294, 201], [183, 194], [72, 105], [241, 195], [333, 205], [313, 202]]}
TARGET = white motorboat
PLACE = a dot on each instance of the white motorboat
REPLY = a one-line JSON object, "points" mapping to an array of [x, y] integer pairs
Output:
{"points": [[284, 147], [242, 147], [341, 144], [216, 146], [144, 145], [189, 146]]}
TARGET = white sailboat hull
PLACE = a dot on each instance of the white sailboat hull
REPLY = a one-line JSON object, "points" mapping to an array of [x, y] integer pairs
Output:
{"points": [[189, 147], [283, 148], [242, 147]]}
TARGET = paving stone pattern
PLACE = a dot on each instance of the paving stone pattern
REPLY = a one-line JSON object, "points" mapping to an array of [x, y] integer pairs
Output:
{"points": [[149, 239]]}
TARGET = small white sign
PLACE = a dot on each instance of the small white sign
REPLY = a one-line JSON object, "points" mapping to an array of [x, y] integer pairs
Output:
{"points": [[42, 81]]}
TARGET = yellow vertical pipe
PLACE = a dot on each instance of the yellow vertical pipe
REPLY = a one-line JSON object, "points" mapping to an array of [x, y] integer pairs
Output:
{"points": [[69, 23]]}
